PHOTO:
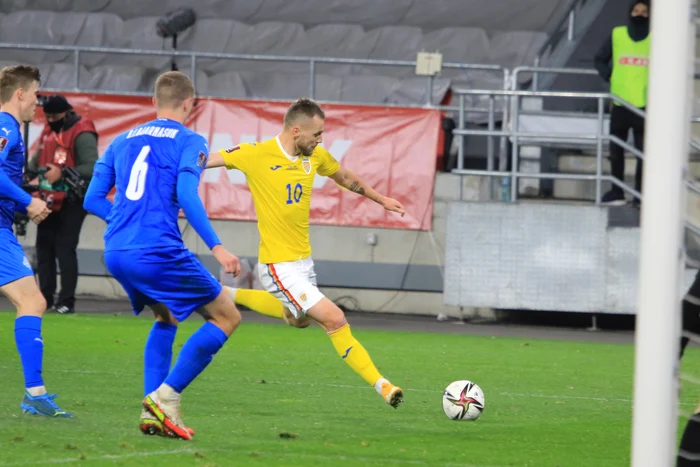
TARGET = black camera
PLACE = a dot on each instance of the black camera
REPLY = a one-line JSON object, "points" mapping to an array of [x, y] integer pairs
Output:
{"points": [[78, 186], [175, 22], [21, 220]]}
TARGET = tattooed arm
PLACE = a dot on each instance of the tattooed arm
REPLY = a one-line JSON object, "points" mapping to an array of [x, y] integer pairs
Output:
{"points": [[349, 180]]}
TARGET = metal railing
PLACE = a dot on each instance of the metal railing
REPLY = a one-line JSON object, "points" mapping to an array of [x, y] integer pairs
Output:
{"points": [[311, 62], [536, 71], [598, 138], [514, 96], [516, 135]]}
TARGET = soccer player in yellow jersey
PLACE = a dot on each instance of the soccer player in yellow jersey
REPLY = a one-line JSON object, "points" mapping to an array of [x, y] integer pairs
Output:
{"points": [[280, 173]]}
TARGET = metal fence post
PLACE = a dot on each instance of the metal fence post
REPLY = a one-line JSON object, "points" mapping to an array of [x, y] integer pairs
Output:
{"points": [[599, 151], [76, 67], [429, 94], [572, 25], [312, 79], [460, 151], [535, 76], [490, 142], [516, 149], [193, 67]]}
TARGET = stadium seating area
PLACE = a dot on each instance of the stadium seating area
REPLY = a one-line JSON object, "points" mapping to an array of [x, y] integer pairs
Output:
{"points": [[363, 29]]}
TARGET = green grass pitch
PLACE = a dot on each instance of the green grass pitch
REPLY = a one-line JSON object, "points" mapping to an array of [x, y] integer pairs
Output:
{"points": [[278, 396]]}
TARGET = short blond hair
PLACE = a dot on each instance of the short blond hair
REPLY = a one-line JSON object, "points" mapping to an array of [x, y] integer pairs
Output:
{"points": [[302, 107], [15, 77], [172, 88]]}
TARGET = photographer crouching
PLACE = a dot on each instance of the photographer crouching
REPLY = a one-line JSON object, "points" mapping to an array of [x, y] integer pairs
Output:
{"points": [[64, 162]]}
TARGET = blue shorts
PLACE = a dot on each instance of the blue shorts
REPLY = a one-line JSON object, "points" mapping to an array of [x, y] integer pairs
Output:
{"points": [[13, 262], [173, 277]]}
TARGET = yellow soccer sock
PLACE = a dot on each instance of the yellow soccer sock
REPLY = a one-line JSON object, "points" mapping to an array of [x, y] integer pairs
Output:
{"points": [[354, 354], [259, 301]]}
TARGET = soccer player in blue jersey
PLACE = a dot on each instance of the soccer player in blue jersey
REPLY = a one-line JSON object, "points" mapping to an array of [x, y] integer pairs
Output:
{"points": [[156, 169], [18, 100]]}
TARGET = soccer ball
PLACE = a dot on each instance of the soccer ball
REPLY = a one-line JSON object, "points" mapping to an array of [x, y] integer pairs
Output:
{"points": [[463, 400]]}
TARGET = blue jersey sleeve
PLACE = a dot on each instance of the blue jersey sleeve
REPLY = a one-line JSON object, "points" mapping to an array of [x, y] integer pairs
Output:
{"points": [[193, 159], [8, 188], [7, 143], [194, 155], [188, 198], [102, 181]]}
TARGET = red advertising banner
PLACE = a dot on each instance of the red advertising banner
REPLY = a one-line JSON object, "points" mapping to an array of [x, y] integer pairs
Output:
{"points": [[390, 149]]}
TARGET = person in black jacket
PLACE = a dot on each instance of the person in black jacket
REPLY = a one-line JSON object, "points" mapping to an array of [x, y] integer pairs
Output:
{"points": [[623, 61]]}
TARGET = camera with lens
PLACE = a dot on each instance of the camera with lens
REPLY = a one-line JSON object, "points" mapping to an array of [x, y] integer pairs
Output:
{"points": [[21, 219]]}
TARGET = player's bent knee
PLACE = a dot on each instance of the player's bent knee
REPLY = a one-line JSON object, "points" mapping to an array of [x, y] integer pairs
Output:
{"points": [[26, 297], [222, 312], [328, 315], [163, 314], [33, 305], [293, 321], [228, 321], [302, 323]]}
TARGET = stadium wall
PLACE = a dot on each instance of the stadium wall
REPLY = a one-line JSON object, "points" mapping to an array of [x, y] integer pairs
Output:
{"points": [[401, 274], [393, 149]]}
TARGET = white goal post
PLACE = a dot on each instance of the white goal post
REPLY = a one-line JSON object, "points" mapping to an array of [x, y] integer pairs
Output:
{"points": [[658, 323]]}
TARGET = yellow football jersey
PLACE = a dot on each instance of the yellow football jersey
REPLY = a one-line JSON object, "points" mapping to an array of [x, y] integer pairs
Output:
{"points": [[281, 189]]}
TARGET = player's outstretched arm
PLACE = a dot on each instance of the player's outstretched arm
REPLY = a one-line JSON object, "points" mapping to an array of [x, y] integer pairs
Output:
{"points": [[101, 184], [96, 201], [191, 204], [215, 160], [352, 182]]}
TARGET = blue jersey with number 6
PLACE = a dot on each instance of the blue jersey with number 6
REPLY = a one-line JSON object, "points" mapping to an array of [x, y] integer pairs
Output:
{"points": [[144, 164]]}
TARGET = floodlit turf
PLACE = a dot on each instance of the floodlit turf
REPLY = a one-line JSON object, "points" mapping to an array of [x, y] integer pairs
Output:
{"points": [[279, 396]]}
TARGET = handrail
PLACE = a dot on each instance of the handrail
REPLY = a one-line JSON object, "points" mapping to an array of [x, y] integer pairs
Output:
{"points": [[537, 70], [194, 56], [444, 108], [515, 134], [548, 176], [271, 58]]}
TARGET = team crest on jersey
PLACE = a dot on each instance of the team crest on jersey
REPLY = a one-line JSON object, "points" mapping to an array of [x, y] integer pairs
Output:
{"points": [[201, 160], [3, 143], [306, 164], [60, 156], [303, 297], [230, 150]]}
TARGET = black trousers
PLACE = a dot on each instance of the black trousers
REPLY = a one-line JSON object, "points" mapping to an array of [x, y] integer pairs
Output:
{"points": [[57, 239], [621, 121]]}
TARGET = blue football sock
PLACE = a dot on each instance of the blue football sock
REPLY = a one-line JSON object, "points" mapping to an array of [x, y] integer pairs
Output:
{"points": [[30, 348], [195, 356], [158, 355]]}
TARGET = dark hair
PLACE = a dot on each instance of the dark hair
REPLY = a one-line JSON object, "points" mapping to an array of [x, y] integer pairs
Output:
{"points": [[172, 88], [302, 107], [15, 77]]}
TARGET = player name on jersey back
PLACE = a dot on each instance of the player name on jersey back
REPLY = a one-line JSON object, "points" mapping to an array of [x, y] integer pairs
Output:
{"points": [[155, 131]]}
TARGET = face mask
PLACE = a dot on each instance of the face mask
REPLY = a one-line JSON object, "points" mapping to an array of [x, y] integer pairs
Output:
{"points": [[640, 20], [57, 126]]}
